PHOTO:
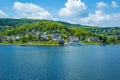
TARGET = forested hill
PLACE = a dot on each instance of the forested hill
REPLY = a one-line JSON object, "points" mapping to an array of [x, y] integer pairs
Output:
{"points": [[8, 24], [17, 22], [33, 27]]}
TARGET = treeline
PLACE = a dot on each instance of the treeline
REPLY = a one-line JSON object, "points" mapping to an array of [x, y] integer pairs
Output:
{"points": [[103, 30], [30, 27], [50, 27], [16, 22]]}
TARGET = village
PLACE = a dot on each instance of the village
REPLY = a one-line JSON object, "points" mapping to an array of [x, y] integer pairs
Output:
{"points": [[55, 36]]}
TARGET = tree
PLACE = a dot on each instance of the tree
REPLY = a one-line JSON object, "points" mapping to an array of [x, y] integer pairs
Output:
{"points": [[24, 39], [82, 38], [0, 40], [100, 38], [8, 32], [30, 37], [77, 34], [49, 37], [118, 38], [111, 39], [104, 39], [9, 40]]}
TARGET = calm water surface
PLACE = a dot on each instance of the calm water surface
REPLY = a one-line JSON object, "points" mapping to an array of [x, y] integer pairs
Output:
{"points": [[86, 62]]}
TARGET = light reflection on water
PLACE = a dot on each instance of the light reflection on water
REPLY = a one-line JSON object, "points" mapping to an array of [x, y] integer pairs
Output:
{"points": [[85, 62]]}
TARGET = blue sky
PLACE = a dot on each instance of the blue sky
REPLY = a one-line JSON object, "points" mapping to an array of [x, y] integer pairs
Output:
{"points": [[86, 12]]}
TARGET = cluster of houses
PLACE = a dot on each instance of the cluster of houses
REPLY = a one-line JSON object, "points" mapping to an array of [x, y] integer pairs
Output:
{"points": [[3, 38], [113, 36], [90, 39], [96, 39], [57, 36]]}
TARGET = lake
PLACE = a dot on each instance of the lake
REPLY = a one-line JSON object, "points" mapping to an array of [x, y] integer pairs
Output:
{"points": [[85, 62]]}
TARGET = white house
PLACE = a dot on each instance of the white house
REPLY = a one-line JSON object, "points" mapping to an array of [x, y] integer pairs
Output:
{"points": [[3, 38], [17, 37], [74, 38], [37, 33], [12, 37], [88, 39], [91, 39], [56, 36], [44, 36]]}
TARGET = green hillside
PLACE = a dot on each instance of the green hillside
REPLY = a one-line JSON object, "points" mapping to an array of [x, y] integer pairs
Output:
{"points": [[31, 27]]}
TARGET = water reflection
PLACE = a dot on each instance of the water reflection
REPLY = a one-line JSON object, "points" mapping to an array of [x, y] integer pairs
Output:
{"points": [[86, 62]]}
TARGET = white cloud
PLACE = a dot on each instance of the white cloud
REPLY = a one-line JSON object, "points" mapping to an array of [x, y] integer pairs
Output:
{"points": [[96, 18], [75, 11], [102, 5], [99, 18], [73, 8], [114, 4], [2, 14], [30, 10]]}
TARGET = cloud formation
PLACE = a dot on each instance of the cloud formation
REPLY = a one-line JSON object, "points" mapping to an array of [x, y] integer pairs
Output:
{"points": [[114, 4], [30, 10], [75, 11], [2, 14], [99, 18], [73, 8], [102, 5]]}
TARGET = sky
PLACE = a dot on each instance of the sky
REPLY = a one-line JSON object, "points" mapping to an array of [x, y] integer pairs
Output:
{"points": [[103, 13]]}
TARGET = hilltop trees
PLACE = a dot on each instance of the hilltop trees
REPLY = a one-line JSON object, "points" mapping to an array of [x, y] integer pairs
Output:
{"points": [[31, 30], [24, 39], [103, 38], [34, 31]]}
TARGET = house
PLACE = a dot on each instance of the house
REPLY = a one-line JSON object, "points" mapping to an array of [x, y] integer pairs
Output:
{"points": [[56, 36], [21, 33], [113, 36], [88, 39], [37, 33], [44, 37], [74, 38], [0, 39], [33, 32], [95, 39], [3, 38], [118, 36], [12, 37], [17, 37]]}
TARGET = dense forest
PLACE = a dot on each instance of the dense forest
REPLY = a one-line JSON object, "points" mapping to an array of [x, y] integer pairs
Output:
{"points": [[34, 29]]}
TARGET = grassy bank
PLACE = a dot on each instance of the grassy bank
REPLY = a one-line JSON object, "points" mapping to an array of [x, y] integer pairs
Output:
{"points": [[94, 43], [34, 43], [48, 43]]}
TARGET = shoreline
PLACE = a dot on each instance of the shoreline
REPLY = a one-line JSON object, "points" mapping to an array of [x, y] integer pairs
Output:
{"points": [[51, 44], [30, 44]]}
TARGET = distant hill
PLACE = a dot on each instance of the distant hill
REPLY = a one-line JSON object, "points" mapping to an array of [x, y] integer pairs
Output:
{"points": [[17, 22], [8, 24], [68, 24]]}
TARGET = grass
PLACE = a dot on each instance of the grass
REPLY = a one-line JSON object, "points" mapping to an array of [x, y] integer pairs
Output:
{"points": [[93, 43], [45, 43], [36, 43]]}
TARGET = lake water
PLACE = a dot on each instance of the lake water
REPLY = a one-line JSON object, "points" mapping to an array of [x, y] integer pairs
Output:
{"points": [[85, 62]]}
